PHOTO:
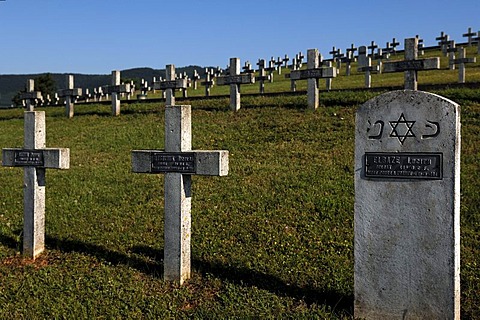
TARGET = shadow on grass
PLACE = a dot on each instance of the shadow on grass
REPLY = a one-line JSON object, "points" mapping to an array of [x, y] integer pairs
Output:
{"points": [[151, 264]]}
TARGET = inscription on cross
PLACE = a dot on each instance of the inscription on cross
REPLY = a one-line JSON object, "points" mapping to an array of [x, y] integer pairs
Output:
{"points": [[235, 79], [312, 74], [70, 94], [179, 162], [411, 65], [35, 158]]}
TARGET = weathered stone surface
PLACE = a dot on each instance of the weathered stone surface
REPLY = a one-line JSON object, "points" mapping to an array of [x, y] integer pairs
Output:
{"points": [[407, 231]]}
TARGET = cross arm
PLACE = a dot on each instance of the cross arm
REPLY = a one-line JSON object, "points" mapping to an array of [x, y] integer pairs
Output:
{"points": [[49, 158], [121, 88], [406, 65], [329, 72], [31, 95], [197, 162], [236, 79], [173, 84], [70, 92]]}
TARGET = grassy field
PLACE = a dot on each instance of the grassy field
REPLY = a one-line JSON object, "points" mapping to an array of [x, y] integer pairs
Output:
{"points": [[273, 239]]}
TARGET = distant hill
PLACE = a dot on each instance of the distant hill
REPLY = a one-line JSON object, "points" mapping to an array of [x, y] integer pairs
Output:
{"points": [[11, 84]]}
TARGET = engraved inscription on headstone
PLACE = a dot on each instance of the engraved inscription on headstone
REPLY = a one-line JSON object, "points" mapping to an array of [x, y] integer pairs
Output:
{"points": [[403, 165]]}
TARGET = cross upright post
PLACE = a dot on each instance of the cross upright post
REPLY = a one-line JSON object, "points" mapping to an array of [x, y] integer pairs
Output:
{"points": [[411, 65], [312, 74], [208, 83], [262, 76], [31, 96], [179, 162], [35, 159], [235, 79], [451, 49], [70, 94]]}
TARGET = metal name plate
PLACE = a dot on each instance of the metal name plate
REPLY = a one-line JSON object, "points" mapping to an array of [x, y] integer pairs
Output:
{"points": [[32, 158], [182, 162], [313, 73], [403, 165]]}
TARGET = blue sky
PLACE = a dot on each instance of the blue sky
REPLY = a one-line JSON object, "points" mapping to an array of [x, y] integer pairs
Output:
{"points": [[97, 36]]}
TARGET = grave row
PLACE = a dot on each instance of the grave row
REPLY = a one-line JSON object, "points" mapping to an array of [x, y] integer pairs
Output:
{"points": [[407, 192]]}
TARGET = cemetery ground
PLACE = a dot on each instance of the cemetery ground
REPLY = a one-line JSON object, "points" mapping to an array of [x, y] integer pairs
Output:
{"points": [[273, 239]]}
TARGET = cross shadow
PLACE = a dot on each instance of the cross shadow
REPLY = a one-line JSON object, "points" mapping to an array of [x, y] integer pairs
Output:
{"points": [[151, 264]]}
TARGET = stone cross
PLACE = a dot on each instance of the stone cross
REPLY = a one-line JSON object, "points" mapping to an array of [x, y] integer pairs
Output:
{"points": [[285, 61], [312, 74], [461, 61], [208, 83], [179, 162], [407, 207], [30, 97], [262, 76], [372, 48], [411, 65], [451, 49], [349, 58], [170, 84], [247, 68], [35, 158], [271, 68], [365, 65], [195, 79], [235, 79], [70, 94], [470, 34], [279, 64], [115, 90], [394, 44], [443, 42]]}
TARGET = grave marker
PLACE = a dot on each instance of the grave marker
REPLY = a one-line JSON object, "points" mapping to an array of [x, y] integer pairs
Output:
{"points": [[365, 65], [285, 61], [115, 89], [208, 83], [235, 79], [394, 44], [70, 94], [195, 79], [312, 74], [179, 162], [35, 158], [262, 76], [407, 207], [30, 97], [170, 84], [451, 49], [411, 65], [470, 34], [461, 61], [349, 58]]}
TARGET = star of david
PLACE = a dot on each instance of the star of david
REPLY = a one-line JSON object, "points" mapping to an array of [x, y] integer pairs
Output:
{"points": [[402, 129]]}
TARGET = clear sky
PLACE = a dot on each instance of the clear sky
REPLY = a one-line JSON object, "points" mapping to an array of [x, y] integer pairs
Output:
{"points": [[97, 36]]}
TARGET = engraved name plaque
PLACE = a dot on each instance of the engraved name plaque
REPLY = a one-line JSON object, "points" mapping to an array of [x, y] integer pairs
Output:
{"points": [[183, 162], [32, 158], [403, 165]]}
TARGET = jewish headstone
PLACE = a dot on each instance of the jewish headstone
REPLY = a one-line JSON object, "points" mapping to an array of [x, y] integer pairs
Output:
{"points": [[179, 162], [407, 207], [35, 158]]}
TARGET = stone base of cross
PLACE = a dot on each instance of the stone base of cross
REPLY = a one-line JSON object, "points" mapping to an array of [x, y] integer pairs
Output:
{"points": [[179, 162], [35, 158]]}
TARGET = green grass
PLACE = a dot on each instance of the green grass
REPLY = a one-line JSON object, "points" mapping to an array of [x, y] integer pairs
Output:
{"points": [[273, 239]]}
